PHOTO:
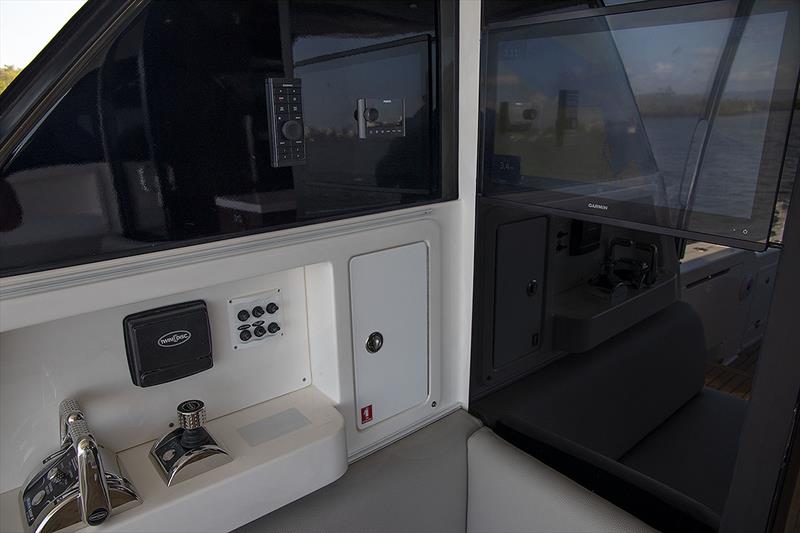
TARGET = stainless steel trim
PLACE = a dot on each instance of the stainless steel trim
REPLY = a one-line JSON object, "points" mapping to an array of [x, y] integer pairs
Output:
{"points": [[192, 463], [95, 501], [195, 461], [191, 414], [100, 490], [69, 411], [62, 515]]}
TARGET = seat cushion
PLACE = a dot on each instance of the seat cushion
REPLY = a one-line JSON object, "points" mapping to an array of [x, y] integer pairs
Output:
{"points": [[510, 491], [418, 484], [694, 451]]}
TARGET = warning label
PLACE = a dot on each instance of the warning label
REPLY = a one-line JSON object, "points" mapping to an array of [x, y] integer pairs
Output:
{"points": [[366, 414]]}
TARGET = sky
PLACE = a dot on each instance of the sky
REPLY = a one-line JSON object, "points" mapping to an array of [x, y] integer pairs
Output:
{"points": [[26, 26], [683, 56], [677, 56]]}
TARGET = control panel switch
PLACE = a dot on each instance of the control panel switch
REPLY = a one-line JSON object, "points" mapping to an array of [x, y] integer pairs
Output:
{"points": [[254, 319]]}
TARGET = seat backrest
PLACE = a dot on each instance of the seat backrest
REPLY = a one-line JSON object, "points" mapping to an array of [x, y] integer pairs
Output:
{"points": [[662, 506]]}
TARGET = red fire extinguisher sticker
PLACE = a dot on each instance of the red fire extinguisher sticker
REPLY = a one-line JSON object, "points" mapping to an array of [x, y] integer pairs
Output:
{"points": [[366, 414]]}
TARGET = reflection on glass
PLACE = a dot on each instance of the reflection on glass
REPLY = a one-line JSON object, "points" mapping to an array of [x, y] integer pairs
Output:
{"points": [[383, 168], [318, 29], [498, 11], [740, 149], [788, 179], [677, 116], [164, 141]]}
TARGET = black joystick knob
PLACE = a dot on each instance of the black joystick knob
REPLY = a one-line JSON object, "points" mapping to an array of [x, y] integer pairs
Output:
{"points": [[371, 114], [292, 130], [273, 328], [192, 417]]}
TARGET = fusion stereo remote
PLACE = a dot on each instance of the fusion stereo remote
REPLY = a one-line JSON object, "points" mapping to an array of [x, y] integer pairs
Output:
{"points": [[285, 108]]}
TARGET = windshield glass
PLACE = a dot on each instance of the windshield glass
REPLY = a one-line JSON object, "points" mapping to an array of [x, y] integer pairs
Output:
{"points": [[26, 26]]}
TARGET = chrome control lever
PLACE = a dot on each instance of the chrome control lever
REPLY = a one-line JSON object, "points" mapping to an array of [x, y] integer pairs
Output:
{"points": [[188, 450], [94, 499], [80, 484], [68, 412]]}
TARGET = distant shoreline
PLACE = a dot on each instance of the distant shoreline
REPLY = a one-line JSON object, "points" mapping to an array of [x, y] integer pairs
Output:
{"points": [[666, 104]]}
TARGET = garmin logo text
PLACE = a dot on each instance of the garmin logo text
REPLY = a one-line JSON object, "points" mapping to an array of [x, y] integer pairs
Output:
{"points": [[174, 338], [598, 206]]}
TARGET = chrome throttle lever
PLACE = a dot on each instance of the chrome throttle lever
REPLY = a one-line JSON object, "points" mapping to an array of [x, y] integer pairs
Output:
{"points": [[94, 500], [77, 484], [68, 412]]}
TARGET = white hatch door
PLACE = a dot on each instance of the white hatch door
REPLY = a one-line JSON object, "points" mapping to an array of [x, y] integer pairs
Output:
{"points": [[389, 303]]}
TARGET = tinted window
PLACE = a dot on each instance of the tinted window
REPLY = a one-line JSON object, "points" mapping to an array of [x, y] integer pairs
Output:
{"points": [[166, 141], [675, 118], [594, 348]]}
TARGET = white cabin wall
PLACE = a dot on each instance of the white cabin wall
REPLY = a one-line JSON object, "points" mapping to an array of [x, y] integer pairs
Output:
{"points": [[81, 354], [322, 334], [459, 322], [61, 330]]}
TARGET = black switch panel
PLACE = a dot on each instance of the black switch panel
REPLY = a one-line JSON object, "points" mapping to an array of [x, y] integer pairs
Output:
{"points": [[285, 108]]}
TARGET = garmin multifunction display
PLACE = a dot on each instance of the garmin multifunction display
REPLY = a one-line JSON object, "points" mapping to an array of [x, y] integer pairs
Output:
{"points": [[675, 118]]}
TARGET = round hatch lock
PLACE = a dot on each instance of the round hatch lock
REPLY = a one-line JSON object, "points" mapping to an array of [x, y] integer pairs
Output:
{"points": [[374, 342]]}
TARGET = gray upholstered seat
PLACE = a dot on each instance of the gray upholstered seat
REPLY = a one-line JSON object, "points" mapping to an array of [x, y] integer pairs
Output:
{"points": [[418, 484], [694, 451], [510, 491], [639, 399]]}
